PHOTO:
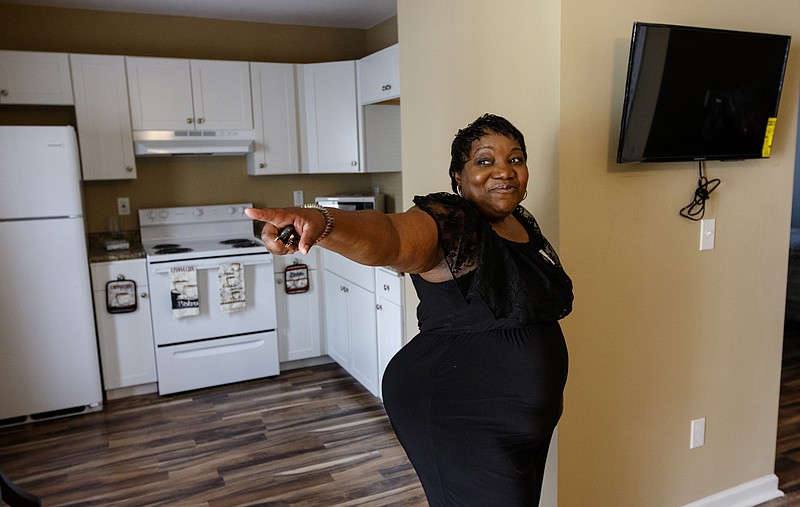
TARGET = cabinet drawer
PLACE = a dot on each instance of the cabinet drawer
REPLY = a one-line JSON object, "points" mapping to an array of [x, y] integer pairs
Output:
{"points": [[354, 272], [103, 272], [388, 285]]}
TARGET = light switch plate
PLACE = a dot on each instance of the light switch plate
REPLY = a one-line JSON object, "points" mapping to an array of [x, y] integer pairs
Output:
{"points": [[707, 234]]}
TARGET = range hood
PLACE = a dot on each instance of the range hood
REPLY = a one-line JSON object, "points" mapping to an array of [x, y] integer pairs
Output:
{"points": [[192, 142]]}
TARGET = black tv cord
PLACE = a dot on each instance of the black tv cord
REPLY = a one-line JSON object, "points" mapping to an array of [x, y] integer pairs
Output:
{"points": [[696, 209]]}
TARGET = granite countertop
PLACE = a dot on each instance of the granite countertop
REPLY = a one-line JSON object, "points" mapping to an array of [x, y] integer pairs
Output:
{"points": [[99, 253]]}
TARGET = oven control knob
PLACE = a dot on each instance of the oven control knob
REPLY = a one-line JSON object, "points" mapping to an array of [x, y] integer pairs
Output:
{"points": [[152, 214], [232, 210], [163, 214], [198, 212]]}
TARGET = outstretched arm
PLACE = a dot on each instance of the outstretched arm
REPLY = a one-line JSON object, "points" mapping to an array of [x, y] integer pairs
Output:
{"points": [[405, 241]]}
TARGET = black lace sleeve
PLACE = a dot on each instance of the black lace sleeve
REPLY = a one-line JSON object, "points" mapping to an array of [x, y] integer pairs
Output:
{"points": [[521, 281]]}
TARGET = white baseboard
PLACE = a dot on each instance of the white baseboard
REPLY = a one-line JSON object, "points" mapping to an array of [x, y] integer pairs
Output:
{"points": [[748, 494]]}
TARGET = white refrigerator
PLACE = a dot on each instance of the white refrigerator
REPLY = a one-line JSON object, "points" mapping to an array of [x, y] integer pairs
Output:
{"points": [[48, 350]]}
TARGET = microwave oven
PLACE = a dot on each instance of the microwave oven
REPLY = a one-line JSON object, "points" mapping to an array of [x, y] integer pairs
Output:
{"points": [[353, 202]]}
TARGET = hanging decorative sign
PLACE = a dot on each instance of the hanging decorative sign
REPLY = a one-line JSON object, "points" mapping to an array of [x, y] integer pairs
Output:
{"points": [[296, 279]]}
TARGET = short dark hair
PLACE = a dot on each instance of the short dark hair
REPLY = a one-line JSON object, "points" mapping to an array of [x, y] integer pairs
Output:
{"points": [[462, 144]]}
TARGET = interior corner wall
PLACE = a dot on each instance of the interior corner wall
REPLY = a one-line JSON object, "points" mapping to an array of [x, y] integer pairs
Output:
{"points": [[460, 59], [662, 333], [466, 60]]}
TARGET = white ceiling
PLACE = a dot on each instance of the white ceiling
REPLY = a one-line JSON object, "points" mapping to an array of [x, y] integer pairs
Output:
{"points": [[361, 14]]}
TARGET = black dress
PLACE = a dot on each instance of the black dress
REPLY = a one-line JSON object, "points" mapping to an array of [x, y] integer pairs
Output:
{"points": [[475, 396]]}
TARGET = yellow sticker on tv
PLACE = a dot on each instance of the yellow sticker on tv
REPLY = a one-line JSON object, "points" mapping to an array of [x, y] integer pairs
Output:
{"points": [[767, 148]]}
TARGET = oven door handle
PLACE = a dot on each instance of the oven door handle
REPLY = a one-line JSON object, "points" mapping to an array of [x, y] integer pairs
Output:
{"points": [[216, 265]]}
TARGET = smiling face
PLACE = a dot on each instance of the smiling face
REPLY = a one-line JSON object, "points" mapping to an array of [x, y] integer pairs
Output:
{"points": [[495, 176]]}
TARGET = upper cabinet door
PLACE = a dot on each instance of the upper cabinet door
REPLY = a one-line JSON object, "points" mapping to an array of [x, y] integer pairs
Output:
{"points": [[177, 94], [221, 91], [275, 120], [379, 76], [29, 77], [104, 120], [160, 93], [331, 117]]}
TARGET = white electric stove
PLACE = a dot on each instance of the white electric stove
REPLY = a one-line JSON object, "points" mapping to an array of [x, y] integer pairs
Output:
{"points": [[210, 344]]}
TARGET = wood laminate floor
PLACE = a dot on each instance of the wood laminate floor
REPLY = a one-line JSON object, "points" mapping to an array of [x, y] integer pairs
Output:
{"points": [[310, 437], [787, 461]]}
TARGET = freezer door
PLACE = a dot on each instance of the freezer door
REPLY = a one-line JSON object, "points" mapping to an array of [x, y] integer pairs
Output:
{"points": [[39, 172], [48, 348]]}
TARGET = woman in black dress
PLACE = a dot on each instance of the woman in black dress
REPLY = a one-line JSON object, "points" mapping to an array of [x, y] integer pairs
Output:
{"points": [[475, 396]]}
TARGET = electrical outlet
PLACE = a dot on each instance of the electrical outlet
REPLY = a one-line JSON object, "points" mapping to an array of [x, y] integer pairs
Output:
{"points": [[298, 198], [123, 206], [707, 233], [698, 437]]}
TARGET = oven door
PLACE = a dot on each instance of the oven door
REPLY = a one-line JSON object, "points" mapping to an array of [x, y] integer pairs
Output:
{"points": [[258, 315], [215, 362]]}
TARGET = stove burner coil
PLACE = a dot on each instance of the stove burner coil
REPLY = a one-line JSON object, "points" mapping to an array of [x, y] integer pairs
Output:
{"points": [[239, 242], [171, 250]]}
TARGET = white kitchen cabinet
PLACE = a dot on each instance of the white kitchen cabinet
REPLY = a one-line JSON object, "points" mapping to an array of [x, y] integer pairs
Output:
{"points": [[275, 119], [178, 94], [103, 116], [329, 112], [379, 111], [299, 325], [337, 320], [390, 315], [379, 76], [127, 351], [350, 318], [38, 78]]}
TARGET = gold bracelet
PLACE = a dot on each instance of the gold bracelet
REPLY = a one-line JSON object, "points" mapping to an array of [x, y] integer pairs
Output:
{"points": [[329, 220]]}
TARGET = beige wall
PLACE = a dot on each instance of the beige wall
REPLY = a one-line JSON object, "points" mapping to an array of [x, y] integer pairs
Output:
{"points": [[460, 59], [661, 333], [184, 181]]}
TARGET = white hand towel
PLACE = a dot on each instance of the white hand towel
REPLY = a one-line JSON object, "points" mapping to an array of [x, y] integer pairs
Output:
{"points": [[231, 287], [183, 285]]}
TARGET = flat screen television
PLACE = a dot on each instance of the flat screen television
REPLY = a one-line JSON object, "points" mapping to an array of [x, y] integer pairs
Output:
{"points": [[700, 94]]}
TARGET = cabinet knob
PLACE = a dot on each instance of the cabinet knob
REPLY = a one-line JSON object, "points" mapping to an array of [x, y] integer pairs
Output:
{"points": [[129, 168], [386, 287], [386, 87], [379, 307], [3, 93], [262, 165], [189, 120], [201, 120], [354, 163], [143, 295]]}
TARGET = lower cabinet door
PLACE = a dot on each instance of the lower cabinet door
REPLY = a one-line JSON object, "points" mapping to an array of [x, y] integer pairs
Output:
{"points": [[336, 320], [299, 334], [363, 338]]}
